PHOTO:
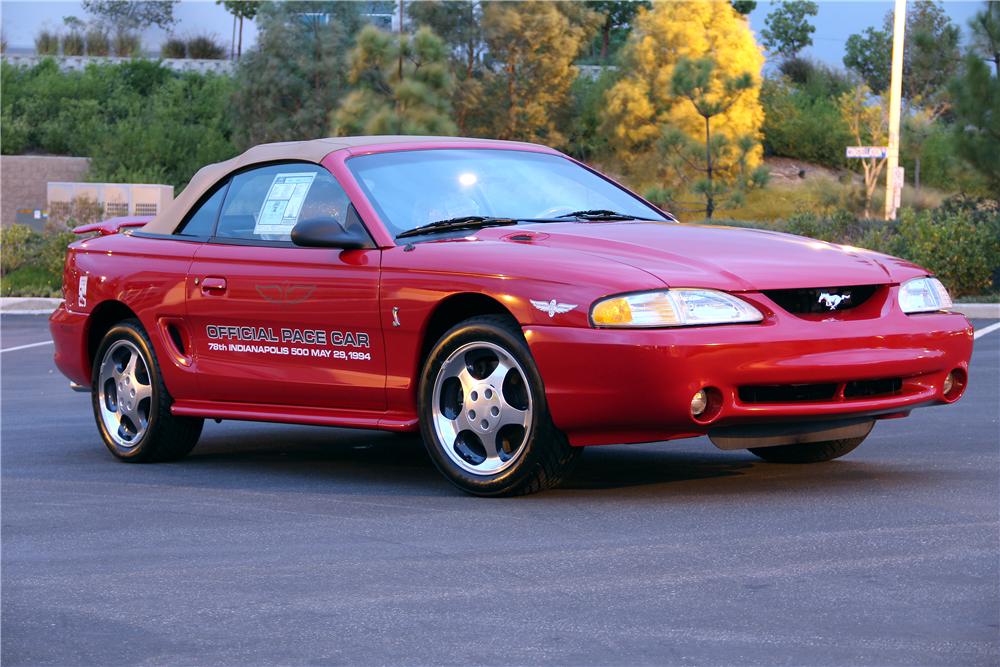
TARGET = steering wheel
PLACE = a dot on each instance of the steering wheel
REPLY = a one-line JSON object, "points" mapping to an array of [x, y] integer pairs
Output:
{"points": [[554, 211]]}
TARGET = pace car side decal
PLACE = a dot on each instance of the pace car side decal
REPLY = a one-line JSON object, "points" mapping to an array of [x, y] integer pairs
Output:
{"points": [[284, 341]]}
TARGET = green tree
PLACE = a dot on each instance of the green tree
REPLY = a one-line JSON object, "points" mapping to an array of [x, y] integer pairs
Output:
{"points": [[986, 34], [458, 23], [618, 16], [976, 95], [388, 99], [297, 73], [532, 46], [695, 81], [788, 28], [930, 54], [744, 6], [240, 9], [931, 57], [129, 15], [869, 55], [512, 63]]}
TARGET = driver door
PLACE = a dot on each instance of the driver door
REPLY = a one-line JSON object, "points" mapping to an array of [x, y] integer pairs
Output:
{"points": [[277, 324]]}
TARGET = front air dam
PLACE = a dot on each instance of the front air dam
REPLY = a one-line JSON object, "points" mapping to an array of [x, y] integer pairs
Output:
{"points": [[748, 436]]}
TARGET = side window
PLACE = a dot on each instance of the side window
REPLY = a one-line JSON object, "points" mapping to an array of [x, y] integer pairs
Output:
{"points": [[264, 204], [202, 220]]}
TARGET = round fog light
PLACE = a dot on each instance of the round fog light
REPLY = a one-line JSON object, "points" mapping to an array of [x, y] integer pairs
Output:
{"points": [[699, 402], [949, 383]]}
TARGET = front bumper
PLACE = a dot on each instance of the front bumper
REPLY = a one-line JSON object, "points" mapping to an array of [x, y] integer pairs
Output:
{"points": [[606, 386]]}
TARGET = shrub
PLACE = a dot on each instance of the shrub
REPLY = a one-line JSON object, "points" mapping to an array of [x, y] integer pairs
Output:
{"points": [[138, 120], [32, 263], [173, 47], [73, 43], [962, 249], [205, 48], [801, 126], [18, 246], [127, 44], [98, 42], [31, 281], [47, 43]]}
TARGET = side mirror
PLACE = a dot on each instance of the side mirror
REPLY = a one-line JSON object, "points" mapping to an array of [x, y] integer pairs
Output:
{"points": [[327, 232]]}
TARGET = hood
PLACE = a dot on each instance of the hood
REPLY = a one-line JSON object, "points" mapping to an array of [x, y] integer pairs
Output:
{"points": [[726, 258]]}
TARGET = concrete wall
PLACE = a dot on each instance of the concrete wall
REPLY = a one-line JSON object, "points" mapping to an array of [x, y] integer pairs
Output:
{"points": [[24, 180], [78, 63]]}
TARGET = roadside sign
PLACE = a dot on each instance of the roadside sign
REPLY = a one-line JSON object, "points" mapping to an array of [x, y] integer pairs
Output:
{"points": [[867, 151]]}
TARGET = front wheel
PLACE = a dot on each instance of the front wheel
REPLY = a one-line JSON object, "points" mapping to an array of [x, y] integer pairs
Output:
{"points": [[131, 403], [483, 414], [813, 452]]}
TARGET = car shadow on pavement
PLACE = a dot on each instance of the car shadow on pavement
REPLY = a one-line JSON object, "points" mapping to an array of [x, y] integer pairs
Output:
{"points": [[356, 462]]}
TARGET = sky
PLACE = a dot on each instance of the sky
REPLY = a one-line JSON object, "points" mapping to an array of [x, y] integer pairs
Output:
{"points": [[22, 19]]}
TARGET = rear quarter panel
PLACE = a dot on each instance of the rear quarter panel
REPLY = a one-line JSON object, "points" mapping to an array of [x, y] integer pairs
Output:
{"points": [[147, 275]]}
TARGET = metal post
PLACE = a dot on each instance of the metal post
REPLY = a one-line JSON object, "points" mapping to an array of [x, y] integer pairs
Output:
{"points": [[895, 101]]}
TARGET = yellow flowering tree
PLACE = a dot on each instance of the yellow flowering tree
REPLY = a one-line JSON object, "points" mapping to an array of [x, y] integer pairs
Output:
{"points": [[643, 104]]}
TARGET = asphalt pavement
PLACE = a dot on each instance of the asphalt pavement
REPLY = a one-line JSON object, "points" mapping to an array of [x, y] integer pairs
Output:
{"points": [[301, 545]]}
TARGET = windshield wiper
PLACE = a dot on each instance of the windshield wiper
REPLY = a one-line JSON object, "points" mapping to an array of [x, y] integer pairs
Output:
{"points": [[599, 214], [464, 222]]}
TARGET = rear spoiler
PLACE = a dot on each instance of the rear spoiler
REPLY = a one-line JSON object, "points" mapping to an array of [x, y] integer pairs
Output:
{"points": [[113, 225]]}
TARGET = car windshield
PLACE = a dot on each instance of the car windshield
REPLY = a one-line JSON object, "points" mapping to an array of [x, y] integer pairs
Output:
{"points": [[413, 188]]}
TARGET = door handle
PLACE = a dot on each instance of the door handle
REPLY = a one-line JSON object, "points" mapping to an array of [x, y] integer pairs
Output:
{"points": [[213, 285]]}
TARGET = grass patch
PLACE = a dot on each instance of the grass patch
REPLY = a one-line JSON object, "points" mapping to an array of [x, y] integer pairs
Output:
{"points": [[31, 281]]}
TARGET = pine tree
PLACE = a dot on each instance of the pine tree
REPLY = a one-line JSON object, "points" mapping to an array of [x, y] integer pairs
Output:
{"points": [[401, 85], [976, 94], [297, 73], [643, 103], [699, 164], [533, 46]]}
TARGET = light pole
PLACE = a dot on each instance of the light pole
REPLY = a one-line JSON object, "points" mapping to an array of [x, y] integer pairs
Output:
{"points": [[895, 101]]}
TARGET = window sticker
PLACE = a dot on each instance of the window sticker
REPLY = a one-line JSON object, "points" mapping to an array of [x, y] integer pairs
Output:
{"points": [[283, 203]]}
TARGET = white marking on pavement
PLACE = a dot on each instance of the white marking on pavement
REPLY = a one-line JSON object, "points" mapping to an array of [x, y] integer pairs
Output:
{"points": [[986, 330], [25, 347]]}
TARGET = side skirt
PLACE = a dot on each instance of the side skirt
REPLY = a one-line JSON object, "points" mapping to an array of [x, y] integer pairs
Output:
{"points": [[385, 421]]}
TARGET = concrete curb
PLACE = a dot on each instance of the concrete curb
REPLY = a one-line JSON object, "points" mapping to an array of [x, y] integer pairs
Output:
{"points": [[982, 311], [15, 305]]}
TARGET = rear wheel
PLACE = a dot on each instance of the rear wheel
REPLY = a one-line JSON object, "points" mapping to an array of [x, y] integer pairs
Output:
{"points": [[483, 413], [813, 452], [131, 403]]}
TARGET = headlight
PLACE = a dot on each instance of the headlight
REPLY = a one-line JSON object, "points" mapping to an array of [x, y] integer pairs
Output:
{"points": [[672, 308], [923, 295]]}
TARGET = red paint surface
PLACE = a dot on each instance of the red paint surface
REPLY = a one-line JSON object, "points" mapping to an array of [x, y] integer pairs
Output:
{"points": [[602, 386]]}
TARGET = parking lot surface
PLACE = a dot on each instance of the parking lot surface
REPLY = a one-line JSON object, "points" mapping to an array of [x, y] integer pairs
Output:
{"points": [[295, 545]]}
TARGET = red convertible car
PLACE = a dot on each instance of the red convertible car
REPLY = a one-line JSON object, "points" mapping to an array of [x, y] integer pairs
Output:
{"points": [[510, 303]]}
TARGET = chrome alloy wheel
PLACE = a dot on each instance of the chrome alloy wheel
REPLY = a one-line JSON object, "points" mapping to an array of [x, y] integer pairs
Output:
{"points": [[124, 393], [482, 408]]}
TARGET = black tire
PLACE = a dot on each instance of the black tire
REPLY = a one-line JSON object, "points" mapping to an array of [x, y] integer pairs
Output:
{"points": [[546, 457], [813, 452], [166, 436]]}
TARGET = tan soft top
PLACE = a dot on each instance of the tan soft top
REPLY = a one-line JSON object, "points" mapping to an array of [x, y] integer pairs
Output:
{"points": [[313, 150]]}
